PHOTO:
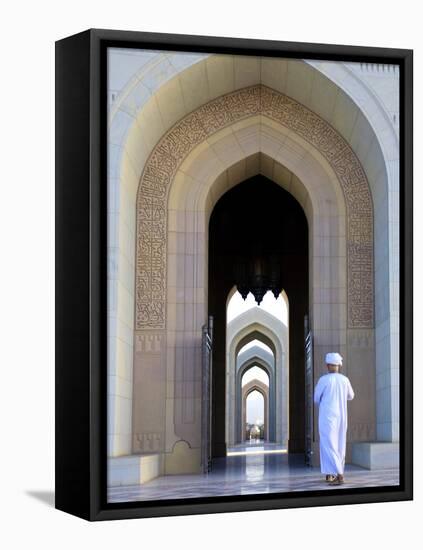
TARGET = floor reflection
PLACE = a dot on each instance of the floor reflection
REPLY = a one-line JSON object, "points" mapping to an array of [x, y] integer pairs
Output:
{"points": [[252, 469]]}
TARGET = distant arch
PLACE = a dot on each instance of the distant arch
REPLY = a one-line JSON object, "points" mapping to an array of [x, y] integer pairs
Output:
{"points": [[255, 385]]}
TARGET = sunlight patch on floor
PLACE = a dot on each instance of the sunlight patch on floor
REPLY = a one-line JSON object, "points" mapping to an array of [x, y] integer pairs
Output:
{"points": [[258, 452]]}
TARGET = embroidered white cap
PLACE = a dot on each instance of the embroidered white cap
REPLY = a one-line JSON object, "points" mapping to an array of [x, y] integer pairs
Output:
{"points": [[333, 359]]}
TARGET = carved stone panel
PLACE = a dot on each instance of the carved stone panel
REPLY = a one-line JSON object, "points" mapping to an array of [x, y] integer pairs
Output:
{"points": [[149, 414], [196, 127]]}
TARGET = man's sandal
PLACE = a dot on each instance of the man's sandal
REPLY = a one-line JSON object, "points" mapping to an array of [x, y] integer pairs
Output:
{"points": [[339, 480]]}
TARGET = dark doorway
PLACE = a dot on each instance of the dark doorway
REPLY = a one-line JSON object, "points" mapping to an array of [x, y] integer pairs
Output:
{"points": [[258, 218]]}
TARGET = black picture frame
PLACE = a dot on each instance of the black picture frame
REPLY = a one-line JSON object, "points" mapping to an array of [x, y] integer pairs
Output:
{"points": [[81, 294]]}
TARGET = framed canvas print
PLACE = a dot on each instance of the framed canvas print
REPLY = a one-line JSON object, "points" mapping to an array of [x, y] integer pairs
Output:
{"points": [[233, 274]]}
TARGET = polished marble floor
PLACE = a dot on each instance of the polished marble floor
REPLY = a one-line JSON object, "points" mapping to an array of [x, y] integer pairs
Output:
{"points": [[250, 469]]}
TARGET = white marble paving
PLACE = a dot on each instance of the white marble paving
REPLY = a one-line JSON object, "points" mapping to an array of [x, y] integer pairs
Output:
{"points": [[273, 471]]}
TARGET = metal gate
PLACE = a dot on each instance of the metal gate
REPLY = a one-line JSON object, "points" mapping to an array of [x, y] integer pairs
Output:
{"points": [[206, 403], [309, 390]]}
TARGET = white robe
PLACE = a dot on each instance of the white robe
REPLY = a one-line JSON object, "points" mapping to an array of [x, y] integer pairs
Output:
{"points": [[331, 394]]}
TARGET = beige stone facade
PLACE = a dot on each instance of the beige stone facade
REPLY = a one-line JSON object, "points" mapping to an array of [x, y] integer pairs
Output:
{"points": [[183, 130]]}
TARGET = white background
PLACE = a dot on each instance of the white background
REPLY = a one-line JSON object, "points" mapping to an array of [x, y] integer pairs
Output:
{"points": [[28, 32]]}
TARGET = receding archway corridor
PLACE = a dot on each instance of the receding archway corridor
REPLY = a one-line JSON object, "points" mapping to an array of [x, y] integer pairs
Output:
{"points": [[260, 455], [249, 188], [258, 242]]}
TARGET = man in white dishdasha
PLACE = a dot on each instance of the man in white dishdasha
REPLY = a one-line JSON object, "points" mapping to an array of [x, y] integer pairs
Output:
{"points": [[332, 392]]}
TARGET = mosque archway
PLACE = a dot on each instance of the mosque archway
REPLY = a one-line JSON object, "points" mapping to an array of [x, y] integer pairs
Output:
{"points": [[243, 376], [193, 194], [236, 224], [247, 345], [255, 377], [260, 127], [259, 416]]}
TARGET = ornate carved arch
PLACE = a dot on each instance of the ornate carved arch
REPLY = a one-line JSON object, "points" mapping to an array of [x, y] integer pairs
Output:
{"points": [[196, 127]]}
